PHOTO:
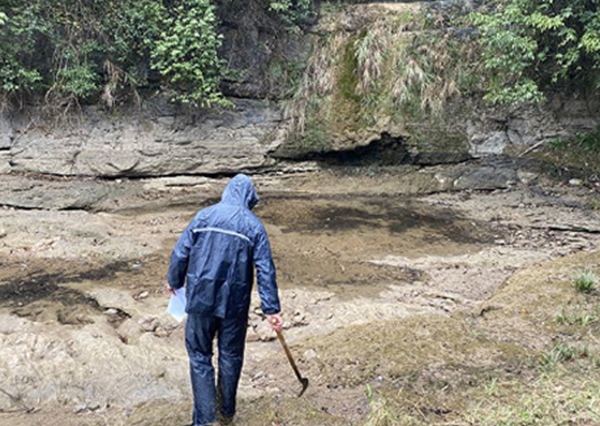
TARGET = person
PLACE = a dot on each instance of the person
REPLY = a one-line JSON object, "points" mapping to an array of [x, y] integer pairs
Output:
{"points": [[215, 258]]}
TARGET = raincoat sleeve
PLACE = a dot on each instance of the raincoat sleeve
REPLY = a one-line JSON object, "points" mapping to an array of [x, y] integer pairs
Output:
{"points": [[179, 259], [265, 275]]}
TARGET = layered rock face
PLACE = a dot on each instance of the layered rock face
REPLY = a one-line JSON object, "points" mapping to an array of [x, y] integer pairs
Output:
{"points": [[143, 144], [491, 131], [249, 138]]}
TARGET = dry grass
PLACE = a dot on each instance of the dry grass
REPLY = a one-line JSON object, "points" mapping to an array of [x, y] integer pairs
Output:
{"points": [[406, 68], [510, 362], [317, 82]]}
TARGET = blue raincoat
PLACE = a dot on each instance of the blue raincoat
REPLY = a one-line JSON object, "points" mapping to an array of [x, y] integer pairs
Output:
{"points": [[215, 259]]}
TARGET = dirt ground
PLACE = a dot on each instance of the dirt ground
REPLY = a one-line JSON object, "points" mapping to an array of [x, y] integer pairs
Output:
{"points": [[85, 339]]}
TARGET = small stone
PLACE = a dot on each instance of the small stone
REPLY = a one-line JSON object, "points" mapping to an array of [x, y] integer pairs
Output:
{"points": [[310, 354], [575, 182], [263, 331], [148, 325], [526, 177], [94, 407], [143, 295], [129, 331], [80, 408], [161, 332], [298, 319], [252, 337]]}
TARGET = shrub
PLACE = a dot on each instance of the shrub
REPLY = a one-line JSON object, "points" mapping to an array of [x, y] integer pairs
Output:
{"points": [[186, 53]]}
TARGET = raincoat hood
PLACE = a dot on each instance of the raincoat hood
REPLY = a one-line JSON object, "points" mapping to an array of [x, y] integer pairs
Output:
{"points": [[240, 191]]}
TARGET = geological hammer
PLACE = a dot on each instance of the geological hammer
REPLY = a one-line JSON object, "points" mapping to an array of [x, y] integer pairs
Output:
{"points": [[302, 380]]}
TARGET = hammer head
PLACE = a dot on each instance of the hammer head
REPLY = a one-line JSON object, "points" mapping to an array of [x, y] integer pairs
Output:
{"points": [[304, 382]]}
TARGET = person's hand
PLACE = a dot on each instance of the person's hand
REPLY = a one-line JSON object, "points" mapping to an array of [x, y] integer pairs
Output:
{"points": [[275, 321], [169, 289]]}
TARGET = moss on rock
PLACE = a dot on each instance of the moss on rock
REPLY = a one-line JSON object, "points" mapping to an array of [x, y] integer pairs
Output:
{"points": [[383, 70]]}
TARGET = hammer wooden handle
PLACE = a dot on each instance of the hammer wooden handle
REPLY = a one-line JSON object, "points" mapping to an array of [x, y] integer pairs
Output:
{"points": [[289, 355]]}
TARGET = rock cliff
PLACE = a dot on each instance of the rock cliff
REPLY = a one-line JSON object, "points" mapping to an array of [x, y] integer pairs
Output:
{"points": [[337, 119]]}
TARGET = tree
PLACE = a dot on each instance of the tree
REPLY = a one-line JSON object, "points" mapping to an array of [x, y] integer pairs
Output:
{"points": [[531, 47]]}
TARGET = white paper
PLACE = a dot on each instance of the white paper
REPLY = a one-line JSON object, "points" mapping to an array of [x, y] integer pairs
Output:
{"points": [[177, 304]]}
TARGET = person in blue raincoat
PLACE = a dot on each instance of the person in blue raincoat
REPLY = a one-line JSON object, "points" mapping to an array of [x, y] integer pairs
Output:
{"points": [[215, 258]]}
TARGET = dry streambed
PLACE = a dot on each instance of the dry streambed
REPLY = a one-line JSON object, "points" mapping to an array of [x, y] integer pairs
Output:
{"points": [[377, 288]]}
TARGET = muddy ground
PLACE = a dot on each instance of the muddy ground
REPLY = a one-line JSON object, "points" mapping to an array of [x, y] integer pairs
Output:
{"points": [[85, 339]]}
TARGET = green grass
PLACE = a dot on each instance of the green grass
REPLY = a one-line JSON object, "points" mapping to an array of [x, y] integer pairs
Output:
{"points": [[583, 319], [562, 353], [585, 281]]}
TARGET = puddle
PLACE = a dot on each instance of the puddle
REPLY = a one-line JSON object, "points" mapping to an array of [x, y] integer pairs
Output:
{"points": [[325, 243], [394, 215]]}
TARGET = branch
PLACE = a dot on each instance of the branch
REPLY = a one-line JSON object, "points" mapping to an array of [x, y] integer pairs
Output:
{"points": [[532, 148]]}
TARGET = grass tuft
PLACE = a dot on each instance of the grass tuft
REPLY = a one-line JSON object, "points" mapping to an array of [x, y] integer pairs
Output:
{"points": [[585, 281], [562, 353], [380, 413]]}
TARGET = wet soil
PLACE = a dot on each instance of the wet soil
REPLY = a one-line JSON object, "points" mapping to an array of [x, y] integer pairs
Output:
{"points": [[90, 283]]}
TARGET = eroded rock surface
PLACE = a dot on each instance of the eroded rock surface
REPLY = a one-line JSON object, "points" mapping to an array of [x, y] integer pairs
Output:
{"points": [[151, 142]]}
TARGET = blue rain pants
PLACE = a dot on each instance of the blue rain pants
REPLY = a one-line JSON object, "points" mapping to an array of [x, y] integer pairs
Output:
{"points": [[211, 401]]}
